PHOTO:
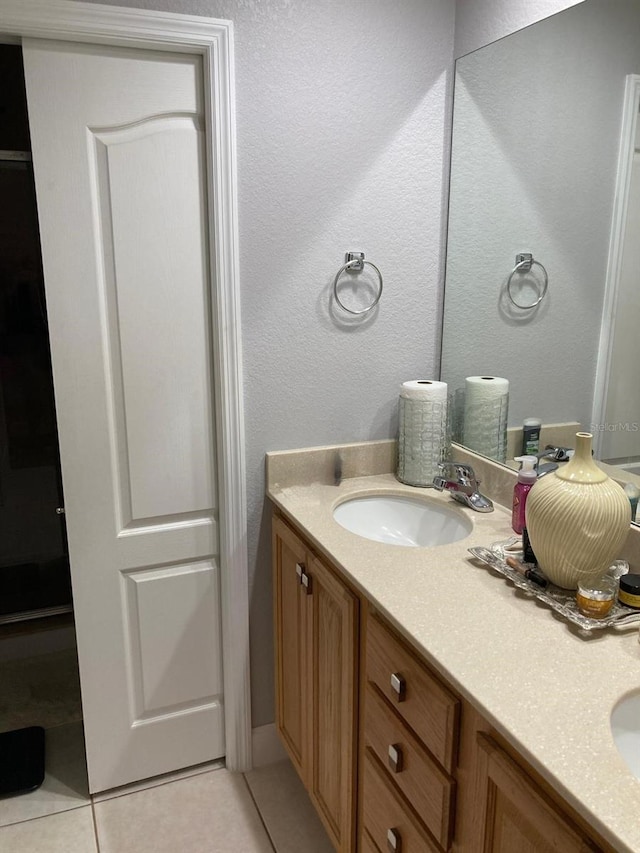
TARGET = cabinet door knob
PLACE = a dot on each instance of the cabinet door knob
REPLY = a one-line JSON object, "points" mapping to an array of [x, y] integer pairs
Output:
{"points": [[395, 757], [306, 582], [399, 686], [394, 841], [299, 570]]}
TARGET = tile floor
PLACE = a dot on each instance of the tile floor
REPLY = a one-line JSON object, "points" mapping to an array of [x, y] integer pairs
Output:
{"points": [[203, 810]]}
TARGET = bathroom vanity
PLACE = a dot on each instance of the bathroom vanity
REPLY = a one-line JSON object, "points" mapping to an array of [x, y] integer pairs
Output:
{"points": [[426, 703]]}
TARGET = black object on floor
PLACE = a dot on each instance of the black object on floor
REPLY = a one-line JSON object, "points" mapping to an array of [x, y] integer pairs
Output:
{"points": [[21, 760]]}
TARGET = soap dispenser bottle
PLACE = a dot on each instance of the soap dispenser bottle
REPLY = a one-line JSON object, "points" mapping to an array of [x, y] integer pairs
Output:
{"points": [[527, 476]]}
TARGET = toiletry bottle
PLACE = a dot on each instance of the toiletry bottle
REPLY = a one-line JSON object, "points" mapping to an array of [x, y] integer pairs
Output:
{"points": [[527, 476], [531, 436]]}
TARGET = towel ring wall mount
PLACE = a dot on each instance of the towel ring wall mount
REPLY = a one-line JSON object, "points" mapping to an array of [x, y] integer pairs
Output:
{"points": [[524, 262], [355, 262]]}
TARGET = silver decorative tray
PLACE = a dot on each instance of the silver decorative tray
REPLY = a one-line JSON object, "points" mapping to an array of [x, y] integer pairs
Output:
{"points": [[561, 600]]}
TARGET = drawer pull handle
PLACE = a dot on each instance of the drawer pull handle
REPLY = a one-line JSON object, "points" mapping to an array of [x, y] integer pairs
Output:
{"points": [[299, 570], [305, 580], [395, 757], [394, 841], [399, 686]]}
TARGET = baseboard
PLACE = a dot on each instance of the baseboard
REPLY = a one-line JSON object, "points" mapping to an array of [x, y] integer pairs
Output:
{"points": [[266, 746]]}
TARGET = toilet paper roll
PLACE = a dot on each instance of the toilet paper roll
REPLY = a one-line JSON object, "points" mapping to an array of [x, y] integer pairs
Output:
{"points": [[486, 409], [423, 438], [424, 389]]}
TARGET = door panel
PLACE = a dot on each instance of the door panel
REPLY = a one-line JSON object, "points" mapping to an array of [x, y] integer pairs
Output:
{"points": [[137, 170], [164, 654], [119, 164]]}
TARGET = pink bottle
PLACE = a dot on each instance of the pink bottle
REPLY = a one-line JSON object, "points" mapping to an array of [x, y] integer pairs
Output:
{"points": [[526, 479]]}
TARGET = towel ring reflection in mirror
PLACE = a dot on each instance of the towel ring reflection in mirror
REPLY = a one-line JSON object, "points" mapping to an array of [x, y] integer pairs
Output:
{"points": [[355, 262], [524, 262]]}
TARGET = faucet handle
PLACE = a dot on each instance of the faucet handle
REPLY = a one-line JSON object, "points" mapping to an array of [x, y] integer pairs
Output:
{"points": [[459, 480], [449, 465], [462, 470], [557, 454]]}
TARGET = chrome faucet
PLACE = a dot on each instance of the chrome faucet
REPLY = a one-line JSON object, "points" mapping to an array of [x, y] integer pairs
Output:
{"points": [[557, 454], [460, 481]]}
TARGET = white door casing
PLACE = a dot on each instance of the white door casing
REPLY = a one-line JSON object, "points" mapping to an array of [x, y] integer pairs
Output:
{"points": [[620, 439], [163, 536], [604, 417]]}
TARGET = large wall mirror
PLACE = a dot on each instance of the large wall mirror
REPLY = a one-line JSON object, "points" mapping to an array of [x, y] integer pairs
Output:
{"points": [[537, 126]]}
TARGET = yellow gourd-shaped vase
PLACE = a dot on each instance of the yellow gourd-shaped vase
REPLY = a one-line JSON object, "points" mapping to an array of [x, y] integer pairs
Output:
{"points": [[577, 519]]}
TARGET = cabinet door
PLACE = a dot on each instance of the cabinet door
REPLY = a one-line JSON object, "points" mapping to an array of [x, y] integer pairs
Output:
{"points": [[367, 845], [517, 814], [292, 674], [333, 652]]}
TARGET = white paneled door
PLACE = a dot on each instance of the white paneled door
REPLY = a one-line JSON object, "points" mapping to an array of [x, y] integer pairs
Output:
{"points": [[119, 158]]}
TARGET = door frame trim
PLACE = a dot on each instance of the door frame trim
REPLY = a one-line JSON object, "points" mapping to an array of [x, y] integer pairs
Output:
{"points": [[626, 151], [213, 40]]}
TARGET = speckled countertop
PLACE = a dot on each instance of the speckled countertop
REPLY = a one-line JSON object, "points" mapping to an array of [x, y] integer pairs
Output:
{"points": [[543, 684]]}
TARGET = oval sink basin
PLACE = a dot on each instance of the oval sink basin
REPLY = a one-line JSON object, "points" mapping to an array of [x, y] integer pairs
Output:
{"points": [[402, 520], [625, 728]]}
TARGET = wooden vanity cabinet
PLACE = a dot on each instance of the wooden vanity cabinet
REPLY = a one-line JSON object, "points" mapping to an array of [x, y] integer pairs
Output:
{"points": [[504, 806], [429, 773], [316, 628]]}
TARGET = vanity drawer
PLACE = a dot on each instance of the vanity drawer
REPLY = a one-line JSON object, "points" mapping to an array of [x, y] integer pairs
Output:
{"points": [[424, 783], [387, 820], [425, 704]]}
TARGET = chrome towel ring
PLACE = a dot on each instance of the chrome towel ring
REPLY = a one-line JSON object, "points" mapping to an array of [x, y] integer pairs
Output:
{"points": [[355, 262], [524, 262]]}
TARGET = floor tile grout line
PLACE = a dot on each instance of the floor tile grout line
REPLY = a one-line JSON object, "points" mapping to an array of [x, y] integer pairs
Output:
{"points": [[95, 819], [262, 820], [95, 826], [46, 814], [139, 787]]}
